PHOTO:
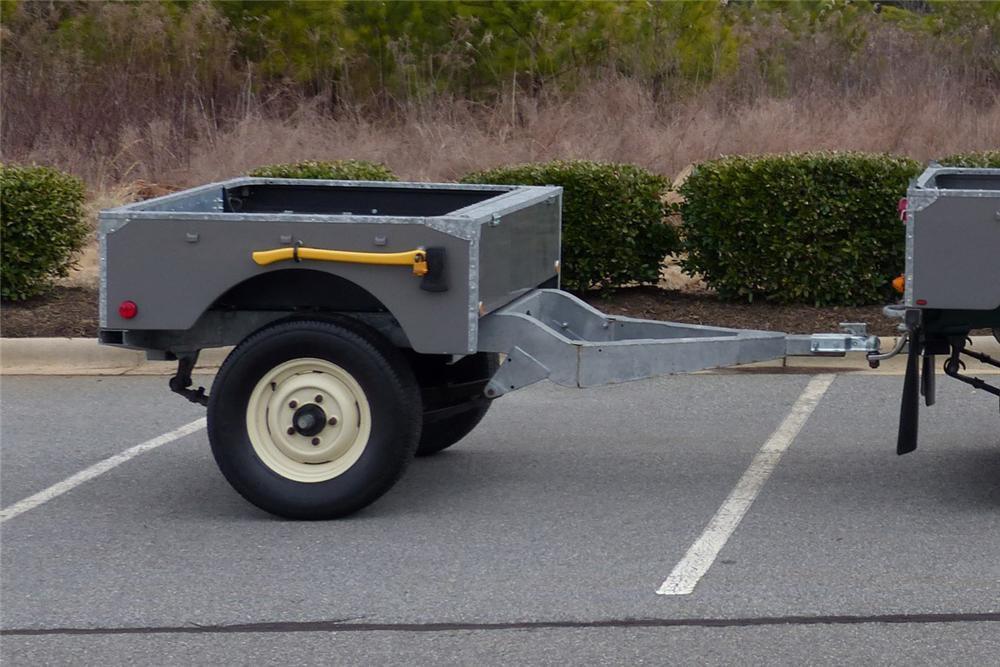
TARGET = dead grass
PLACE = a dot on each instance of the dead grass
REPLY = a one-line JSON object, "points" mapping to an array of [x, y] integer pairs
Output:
{"points": [[613, 120], [86, 270]]}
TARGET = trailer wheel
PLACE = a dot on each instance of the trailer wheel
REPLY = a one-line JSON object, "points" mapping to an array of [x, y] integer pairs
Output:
{"points": [[314, 420], [439, 433]]}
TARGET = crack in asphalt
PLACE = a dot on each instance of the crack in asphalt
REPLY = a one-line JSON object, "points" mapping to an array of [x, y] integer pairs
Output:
{"points": [[345, 625]]}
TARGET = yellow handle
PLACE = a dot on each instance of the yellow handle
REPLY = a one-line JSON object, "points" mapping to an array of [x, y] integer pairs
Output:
{"points": [[415, 258]]}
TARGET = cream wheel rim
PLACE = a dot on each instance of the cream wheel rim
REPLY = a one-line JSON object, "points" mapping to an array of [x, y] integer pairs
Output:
{"points": [[308, 420]]}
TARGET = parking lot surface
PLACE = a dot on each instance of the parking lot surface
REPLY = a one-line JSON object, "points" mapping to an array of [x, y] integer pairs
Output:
{"points": [[543, 537]]}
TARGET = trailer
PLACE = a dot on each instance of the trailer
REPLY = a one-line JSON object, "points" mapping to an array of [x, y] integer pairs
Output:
{"points": [[952, 283], [373, 321]]}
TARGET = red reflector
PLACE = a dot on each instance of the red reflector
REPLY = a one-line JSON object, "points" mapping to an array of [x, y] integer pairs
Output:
{"points": [[921, 302], [128, 309]]}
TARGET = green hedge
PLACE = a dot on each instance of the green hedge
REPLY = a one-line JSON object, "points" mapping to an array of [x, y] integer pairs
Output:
{"points": [[42, 226], [339, 170], [614, 231], [977, 159], [814, 228]]}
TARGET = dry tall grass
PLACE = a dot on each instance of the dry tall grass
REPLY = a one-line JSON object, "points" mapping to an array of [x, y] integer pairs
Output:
{"points": [[611, 119]]}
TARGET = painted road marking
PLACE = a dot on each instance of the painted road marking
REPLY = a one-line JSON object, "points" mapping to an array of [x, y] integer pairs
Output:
{"points": [[99, 468], [699, 558]]}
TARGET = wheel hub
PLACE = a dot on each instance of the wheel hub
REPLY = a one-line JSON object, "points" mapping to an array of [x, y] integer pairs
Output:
{"points": [[309, 420]]}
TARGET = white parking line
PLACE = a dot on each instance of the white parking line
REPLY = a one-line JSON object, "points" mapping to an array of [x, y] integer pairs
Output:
{"points": [[98, 468], [699, 558]]}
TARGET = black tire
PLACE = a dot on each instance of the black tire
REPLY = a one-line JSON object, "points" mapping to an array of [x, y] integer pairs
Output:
{"points": [[392, 399], [439, 433]]}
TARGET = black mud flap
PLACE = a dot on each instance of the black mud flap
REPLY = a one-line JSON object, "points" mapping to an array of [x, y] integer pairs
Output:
{"points": [[909, 409], [928, 381]]}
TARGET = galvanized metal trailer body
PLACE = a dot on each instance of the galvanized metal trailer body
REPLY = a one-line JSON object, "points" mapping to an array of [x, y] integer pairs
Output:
{"points": [[370, 317], [190, 253], [953, 246]]}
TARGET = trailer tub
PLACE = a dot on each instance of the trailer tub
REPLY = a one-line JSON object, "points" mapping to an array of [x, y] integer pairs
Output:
{"points": [[187, 259]]}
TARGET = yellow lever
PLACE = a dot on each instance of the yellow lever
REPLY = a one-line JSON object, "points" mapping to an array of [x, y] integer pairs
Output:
{"points": [[415, 258]]}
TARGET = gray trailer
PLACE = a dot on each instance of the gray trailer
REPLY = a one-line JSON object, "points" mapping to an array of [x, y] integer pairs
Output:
{"points": [[952, 283], [370, 321]]}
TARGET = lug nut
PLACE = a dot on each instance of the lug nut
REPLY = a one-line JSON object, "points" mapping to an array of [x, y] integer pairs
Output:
{"points": [[293, 405], [333, 421], [291, 430], [315, 441], [319, 398]]}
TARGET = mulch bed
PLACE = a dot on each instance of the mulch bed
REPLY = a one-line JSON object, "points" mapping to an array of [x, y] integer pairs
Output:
{"points": [[65, 312], [72, 311]]}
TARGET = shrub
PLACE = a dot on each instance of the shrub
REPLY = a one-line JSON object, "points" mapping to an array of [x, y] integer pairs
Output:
{"points": [[989, 159], [815, 228], [614, 231], [42, 224], [339, 170]]}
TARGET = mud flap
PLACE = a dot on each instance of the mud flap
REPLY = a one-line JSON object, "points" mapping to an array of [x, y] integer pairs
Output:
{"points": [[909, 409], [928, 384]]}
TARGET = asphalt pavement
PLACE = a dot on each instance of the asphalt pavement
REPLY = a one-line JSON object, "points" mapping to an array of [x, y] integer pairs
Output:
{"points": [[542, 538]]}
